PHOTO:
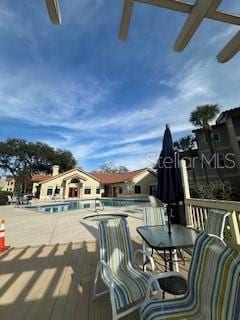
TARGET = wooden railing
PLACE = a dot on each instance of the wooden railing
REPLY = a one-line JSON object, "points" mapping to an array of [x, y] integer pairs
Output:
{"points": [[197, 211]]}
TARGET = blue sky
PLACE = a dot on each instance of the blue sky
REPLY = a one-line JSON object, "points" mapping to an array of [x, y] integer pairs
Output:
{"points": [[76, 86]]}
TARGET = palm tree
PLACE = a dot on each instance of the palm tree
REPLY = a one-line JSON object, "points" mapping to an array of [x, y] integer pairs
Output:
{"points": [[201, 117], [184, 143]]}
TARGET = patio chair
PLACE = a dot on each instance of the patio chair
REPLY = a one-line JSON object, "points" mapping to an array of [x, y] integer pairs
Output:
{"points": [[126, 282], [214, 286], [214, 224], [176, 285], [155, 216], [155, 202], [11, 200]]}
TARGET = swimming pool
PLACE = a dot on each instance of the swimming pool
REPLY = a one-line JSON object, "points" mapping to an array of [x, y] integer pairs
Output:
{"points": [[86, 204]]}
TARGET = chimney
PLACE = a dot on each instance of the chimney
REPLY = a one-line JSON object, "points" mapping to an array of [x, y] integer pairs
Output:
{"points": [[55, 170]]}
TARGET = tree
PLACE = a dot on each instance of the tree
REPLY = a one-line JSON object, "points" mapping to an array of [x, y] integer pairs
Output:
{"points": [[201, 117], [110, 167], [184, 143], [122, 169], [64, 159], [23, 159]]}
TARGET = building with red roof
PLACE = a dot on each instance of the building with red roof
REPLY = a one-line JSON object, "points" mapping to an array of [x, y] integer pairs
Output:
{"points": [[77, 183]]}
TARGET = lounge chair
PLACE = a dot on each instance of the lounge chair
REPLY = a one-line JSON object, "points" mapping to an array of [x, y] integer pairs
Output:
{"points": [[126, 282], [214, 286], [155, 202]]}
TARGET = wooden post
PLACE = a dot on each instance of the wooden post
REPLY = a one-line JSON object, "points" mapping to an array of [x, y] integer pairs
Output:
{"points": [[185, 182], [126, 19], [233, 221], [186, 191]]}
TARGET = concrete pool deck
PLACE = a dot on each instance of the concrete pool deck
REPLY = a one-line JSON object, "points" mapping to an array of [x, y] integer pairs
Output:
{"points": [[25, 227]]}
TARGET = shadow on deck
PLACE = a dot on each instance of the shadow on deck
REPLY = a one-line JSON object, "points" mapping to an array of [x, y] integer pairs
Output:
{"points": [[52, 282]]}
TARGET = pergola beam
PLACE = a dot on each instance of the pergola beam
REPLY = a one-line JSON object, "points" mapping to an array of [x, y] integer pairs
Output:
{"points": [[126, 19], [187, 8], [54, 11], [231, 48], [194, 19]]}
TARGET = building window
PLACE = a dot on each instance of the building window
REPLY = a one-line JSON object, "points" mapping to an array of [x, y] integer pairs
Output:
{"points": [[57, 191], [137, 189], [120, 190], [12, 182], [221, 160], [87, 190], [216, 160], [153, 189], [211, 161], [49, 191], [74, 180], [216, 136], [97, 190]]}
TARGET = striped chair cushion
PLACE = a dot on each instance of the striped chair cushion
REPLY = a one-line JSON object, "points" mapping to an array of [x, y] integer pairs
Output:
{"points": [[130, 283], [153, 216], [216, 222], [214, 286]]}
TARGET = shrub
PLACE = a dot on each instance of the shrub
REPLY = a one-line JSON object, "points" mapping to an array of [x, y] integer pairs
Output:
{"points": [[213, 190], [3, 198]]}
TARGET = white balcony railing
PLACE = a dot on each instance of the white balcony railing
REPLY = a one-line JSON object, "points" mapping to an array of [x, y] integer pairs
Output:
{"points": [[197, 211]]}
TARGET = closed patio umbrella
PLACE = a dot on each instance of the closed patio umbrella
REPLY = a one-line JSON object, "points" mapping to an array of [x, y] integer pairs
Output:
{"points": [[170, 189]]}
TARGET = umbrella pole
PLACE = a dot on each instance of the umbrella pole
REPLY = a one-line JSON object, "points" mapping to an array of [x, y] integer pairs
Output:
{"points": [[169, 214]]}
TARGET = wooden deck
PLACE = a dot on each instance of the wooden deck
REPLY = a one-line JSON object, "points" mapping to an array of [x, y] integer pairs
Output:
{"points": [[52, 282]]}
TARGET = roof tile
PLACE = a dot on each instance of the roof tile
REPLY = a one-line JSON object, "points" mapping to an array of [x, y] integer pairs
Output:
{"points": [[109, 178]]}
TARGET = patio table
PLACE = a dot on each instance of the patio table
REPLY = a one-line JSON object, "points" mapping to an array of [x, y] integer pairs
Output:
{"points": [[104, 216], [158, 238]]}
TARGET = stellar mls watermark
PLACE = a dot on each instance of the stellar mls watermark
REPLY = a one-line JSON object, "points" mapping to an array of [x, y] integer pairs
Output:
{"points": [[215, 161]]}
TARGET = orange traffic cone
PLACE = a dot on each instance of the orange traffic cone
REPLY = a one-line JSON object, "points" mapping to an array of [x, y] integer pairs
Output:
{"points": [[3, 247]]}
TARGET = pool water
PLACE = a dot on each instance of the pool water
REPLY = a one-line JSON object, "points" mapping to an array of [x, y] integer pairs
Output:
{"points": [[86, 204], [121, 202]]}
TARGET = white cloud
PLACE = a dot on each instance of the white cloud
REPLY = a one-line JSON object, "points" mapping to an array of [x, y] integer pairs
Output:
{"points": [[197, 84], [80, 103], [80, 13], [133, 148], [72, 105], [220, 39], [46, 101], [134, 162]]}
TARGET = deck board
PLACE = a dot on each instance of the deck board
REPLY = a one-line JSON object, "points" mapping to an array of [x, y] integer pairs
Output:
{"points": [[53, 282]]}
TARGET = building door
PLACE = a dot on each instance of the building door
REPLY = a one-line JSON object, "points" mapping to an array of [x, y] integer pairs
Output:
{"points": [[114, 192], [152, 190], [106, 191], [73, 193]]}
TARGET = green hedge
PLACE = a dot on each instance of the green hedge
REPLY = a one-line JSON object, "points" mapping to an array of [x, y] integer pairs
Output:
{"points": [[4, 197]]}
